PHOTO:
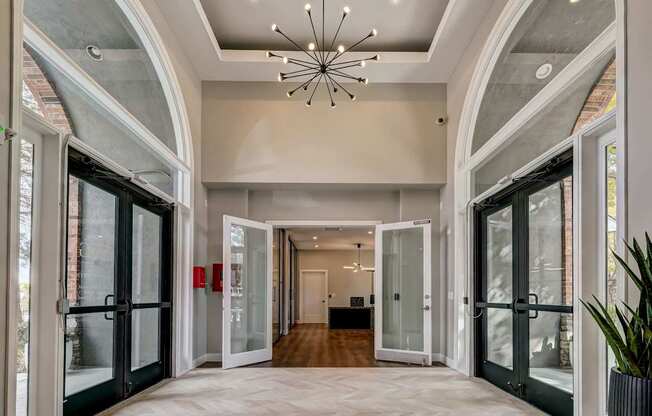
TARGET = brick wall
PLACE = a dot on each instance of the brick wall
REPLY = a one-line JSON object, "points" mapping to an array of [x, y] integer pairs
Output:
{"points": [[601, 99]]}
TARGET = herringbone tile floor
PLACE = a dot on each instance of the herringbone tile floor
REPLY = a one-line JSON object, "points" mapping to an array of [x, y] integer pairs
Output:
{"points": [[325, 391]]}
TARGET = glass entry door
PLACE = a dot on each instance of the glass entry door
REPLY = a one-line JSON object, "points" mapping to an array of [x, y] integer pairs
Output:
{"points": [[247, 321], [524, 290], [402, 329], [117, 333]]}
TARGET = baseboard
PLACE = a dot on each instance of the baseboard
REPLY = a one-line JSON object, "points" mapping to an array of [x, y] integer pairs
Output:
{"points": [[441, 358], [207, 358]]}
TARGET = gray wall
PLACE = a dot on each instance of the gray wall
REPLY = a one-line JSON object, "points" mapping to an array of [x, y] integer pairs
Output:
{"points": [[254, 134], [263, 205]]}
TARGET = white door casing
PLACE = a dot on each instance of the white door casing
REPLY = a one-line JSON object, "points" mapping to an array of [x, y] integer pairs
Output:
{"points": [[396, 337], [246, 310]]}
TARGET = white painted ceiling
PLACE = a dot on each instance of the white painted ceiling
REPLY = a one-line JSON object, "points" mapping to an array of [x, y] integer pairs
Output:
{"points": [[419, 41], [332, 238], [405, 25]]}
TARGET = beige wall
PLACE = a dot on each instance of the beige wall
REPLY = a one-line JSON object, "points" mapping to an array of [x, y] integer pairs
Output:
{"points": [[342, 283], [254, 134]]}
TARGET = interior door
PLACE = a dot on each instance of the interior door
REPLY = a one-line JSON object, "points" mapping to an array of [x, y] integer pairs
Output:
{"points": [[315, 297], [403, 304], [247, 319]]}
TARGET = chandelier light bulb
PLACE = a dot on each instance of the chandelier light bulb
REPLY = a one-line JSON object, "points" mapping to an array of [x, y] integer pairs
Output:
{"points": [[374, 32], [311, 46], [365, 81], [274, 27], [363, 64], [346, 10], [280, 77], [289, 94], [376, 58], [308, 7], [268, 54], [340, 49], [353, 97], [308, 103], [285, 60], [333, 105]]}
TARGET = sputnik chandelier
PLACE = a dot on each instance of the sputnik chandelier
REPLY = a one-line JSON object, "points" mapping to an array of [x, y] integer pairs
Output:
{"points": [[321, 67]]}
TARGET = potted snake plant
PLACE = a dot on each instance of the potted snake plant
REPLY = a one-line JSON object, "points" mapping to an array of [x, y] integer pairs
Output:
{"points": [[628, 332]]}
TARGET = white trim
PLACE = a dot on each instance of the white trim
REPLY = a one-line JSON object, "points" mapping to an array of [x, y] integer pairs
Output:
{"points": [[50, 51], [207, 358], [600, 47], [381, 353], [230, 360], [303, 297], [320, 224]]}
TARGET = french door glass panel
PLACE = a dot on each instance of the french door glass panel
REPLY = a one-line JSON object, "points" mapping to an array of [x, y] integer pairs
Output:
{"points": [[500, 249], [248, 292], [402, 282], [91, 282], [23, 297], [145, 337], [403, 289], [500, 337], [146, 256]]}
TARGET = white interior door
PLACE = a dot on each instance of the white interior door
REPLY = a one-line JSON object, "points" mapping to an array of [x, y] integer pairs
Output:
{"points": [[403, 304], [314, 296], [247, 319]]}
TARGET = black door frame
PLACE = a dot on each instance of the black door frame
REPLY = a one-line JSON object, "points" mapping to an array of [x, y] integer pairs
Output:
{"points": [[125, 382], [516, 381]]}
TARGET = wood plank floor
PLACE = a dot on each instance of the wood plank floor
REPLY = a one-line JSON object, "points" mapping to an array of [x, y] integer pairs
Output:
{"points": [[324, 391], [314, 345]]}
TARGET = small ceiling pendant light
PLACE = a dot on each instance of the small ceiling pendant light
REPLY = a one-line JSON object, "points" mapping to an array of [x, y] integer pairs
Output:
{"points": [[324, 65]]}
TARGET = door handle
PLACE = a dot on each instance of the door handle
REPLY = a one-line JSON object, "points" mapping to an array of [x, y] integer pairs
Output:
{"points": [[106, 303], [426, 308], [536, 302]]}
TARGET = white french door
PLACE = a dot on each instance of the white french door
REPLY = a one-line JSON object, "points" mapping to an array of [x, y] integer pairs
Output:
{"points": [[247, 319], [403, 302]]}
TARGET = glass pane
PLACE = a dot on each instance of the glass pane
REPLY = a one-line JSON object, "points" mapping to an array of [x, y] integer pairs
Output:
{"points": [[550, 223], [248, 289], [146, 256], [91, 244], [276, 286], [549, 127], [499, 256], [611, 228], [100, 129], [145, 336], [551, 349], [26, 207], [547, 38], [119, 62], [500, 337], [89, 351], [403, 295]]}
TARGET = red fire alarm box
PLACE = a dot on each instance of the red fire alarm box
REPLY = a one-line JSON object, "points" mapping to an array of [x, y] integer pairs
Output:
{"points": [[198, 277], [218, 276]]}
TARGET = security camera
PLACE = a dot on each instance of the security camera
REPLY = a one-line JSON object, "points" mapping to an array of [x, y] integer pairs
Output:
{"points": [[440, 121]]}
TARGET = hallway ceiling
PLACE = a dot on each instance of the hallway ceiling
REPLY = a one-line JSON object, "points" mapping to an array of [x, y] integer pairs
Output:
{"points": [[419, 40], [332, 239]]}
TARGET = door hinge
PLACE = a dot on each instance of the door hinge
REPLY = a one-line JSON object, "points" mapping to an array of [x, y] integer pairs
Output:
{"points": [[63, 306]]}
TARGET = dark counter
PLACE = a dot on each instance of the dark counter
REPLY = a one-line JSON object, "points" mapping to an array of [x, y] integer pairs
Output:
{"points": [[350, 317]]}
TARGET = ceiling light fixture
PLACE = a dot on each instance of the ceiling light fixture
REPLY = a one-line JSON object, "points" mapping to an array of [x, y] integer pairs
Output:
{"points": [[357, 266], [543, 71], [94, 53], [321, 67]]}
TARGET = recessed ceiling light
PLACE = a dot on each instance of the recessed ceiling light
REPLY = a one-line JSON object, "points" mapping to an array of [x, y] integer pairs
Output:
{"points": [[543, 71], [370, 232], [94, 53], [316, 245], [574, 1], [314, 237]]}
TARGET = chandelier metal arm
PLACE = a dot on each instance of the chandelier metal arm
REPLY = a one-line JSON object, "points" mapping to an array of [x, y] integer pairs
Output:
{"points": [[350, 48], [308, 70], [352, 96], [300, 75], [301, 61], [304, 85], [339, 27], [309, 102], [345, 67], [297, 46], [308, 65], [314, 32], [343, 75], [323, 28], [372, 58], [329, 92]]}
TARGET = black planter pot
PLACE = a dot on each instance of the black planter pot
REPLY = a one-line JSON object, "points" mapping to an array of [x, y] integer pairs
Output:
{"points": [[629, 396]]}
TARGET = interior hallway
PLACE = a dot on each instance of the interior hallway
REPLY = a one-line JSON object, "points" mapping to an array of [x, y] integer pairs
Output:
{"points": [[324, 391]]}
